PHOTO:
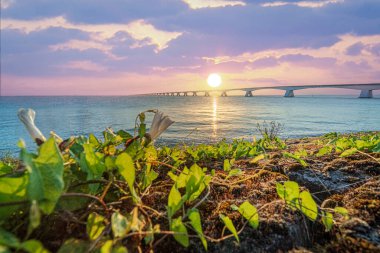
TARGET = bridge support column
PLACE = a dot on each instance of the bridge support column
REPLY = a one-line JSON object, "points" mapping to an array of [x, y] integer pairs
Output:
{"points": [[289, 94], [207, 94], [224, 94], [248, 93], [365, 94], [185, 94], [195, 94]]}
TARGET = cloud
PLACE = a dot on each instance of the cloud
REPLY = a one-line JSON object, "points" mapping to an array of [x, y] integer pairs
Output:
{"points": [[141, 31], [199, 4], [330, 64], [4, 4], [154, 44], [338, 50], [305, 4], [94, 11], [84, 65], [82, 45]]}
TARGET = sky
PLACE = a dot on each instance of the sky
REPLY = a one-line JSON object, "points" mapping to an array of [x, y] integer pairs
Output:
{"points": [[125, 47]]}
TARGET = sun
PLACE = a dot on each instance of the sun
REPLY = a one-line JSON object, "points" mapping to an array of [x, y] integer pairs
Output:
{"points": [[214, 80]]}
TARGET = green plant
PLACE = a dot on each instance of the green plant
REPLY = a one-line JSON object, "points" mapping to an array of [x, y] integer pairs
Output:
{"points": [[269, 130], [104, 183], [303, 201]]}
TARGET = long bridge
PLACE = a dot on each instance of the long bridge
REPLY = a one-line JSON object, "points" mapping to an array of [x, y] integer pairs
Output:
{"points": [[365, 90]]}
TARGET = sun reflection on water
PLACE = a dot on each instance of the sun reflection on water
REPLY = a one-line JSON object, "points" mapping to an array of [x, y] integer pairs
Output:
{"points": [[214, 117]]}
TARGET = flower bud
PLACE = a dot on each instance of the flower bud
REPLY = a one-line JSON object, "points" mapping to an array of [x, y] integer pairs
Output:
{"points": [[159, 124], [27, 118]]}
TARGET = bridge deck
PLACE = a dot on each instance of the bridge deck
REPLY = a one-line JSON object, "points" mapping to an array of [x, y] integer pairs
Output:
{"points": [[366, 89]]}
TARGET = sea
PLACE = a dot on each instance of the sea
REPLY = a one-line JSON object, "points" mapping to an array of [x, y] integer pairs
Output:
{"points": [[197, 119]]}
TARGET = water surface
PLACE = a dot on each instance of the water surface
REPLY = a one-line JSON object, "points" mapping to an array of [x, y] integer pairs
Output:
{"points": [[198, 119]]}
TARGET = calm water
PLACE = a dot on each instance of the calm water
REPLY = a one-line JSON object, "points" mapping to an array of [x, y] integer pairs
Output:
{"points": [[198, 119]]}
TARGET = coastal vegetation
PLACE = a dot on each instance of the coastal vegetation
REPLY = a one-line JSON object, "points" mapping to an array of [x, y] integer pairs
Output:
{"points": [[121, 193]]}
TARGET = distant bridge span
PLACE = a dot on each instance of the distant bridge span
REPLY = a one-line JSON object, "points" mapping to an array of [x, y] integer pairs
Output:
{"points": [[365, 90]]}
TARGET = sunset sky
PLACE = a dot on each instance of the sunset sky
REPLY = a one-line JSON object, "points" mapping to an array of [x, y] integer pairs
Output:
{"points": [[124, 47]]}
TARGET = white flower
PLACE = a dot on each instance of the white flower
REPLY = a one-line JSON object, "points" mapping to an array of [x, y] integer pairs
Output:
{"points": [[27, 117], [159, 124]]}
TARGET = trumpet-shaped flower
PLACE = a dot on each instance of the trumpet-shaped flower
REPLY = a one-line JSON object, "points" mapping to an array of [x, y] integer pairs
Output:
{"points": [[159, 124], [27, 118]]}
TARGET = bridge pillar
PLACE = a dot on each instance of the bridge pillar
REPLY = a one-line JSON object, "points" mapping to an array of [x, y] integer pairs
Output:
{"points": [[365, 94], [172, 94], [195, 94], [248, 93], [185, 94], [224, 94], [207, 94], [289, 94]]}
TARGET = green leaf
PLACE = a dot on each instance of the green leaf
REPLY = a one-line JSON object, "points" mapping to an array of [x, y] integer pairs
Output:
{"points": [[308, 205], [149, 177], [228, 223], [234, 173], [323, 151], [174, 201], [195, 221], [8, 239], [107, 247], [45, 175], [226, 165], [296, 158], [342, 211], [74, 245], [257, 158], [33, 246], [109, 162], [34, 216], [234, 207], [93, 140], [197, 182], [95, 225], [4, 249], [124, 135], [250, 213], [92, 165], [119, 249], [376, 148], [177, 226], [5, 169], [127, 170], [349, 152], [361, 144], [142, 130], [327, 220], [119, 225], [182, 179], [289, 192], [301, 153], [342, 144], [12, 189]]}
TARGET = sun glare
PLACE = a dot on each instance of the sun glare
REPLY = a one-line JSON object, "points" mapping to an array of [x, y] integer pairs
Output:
{"points": [[214, 80]]}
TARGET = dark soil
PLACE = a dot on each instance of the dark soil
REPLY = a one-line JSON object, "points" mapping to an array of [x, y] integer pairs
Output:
{"points": [[352, 182]]}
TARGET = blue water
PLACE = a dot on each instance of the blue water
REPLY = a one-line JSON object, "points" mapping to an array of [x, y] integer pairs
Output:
{"points": [[198, 119]]}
